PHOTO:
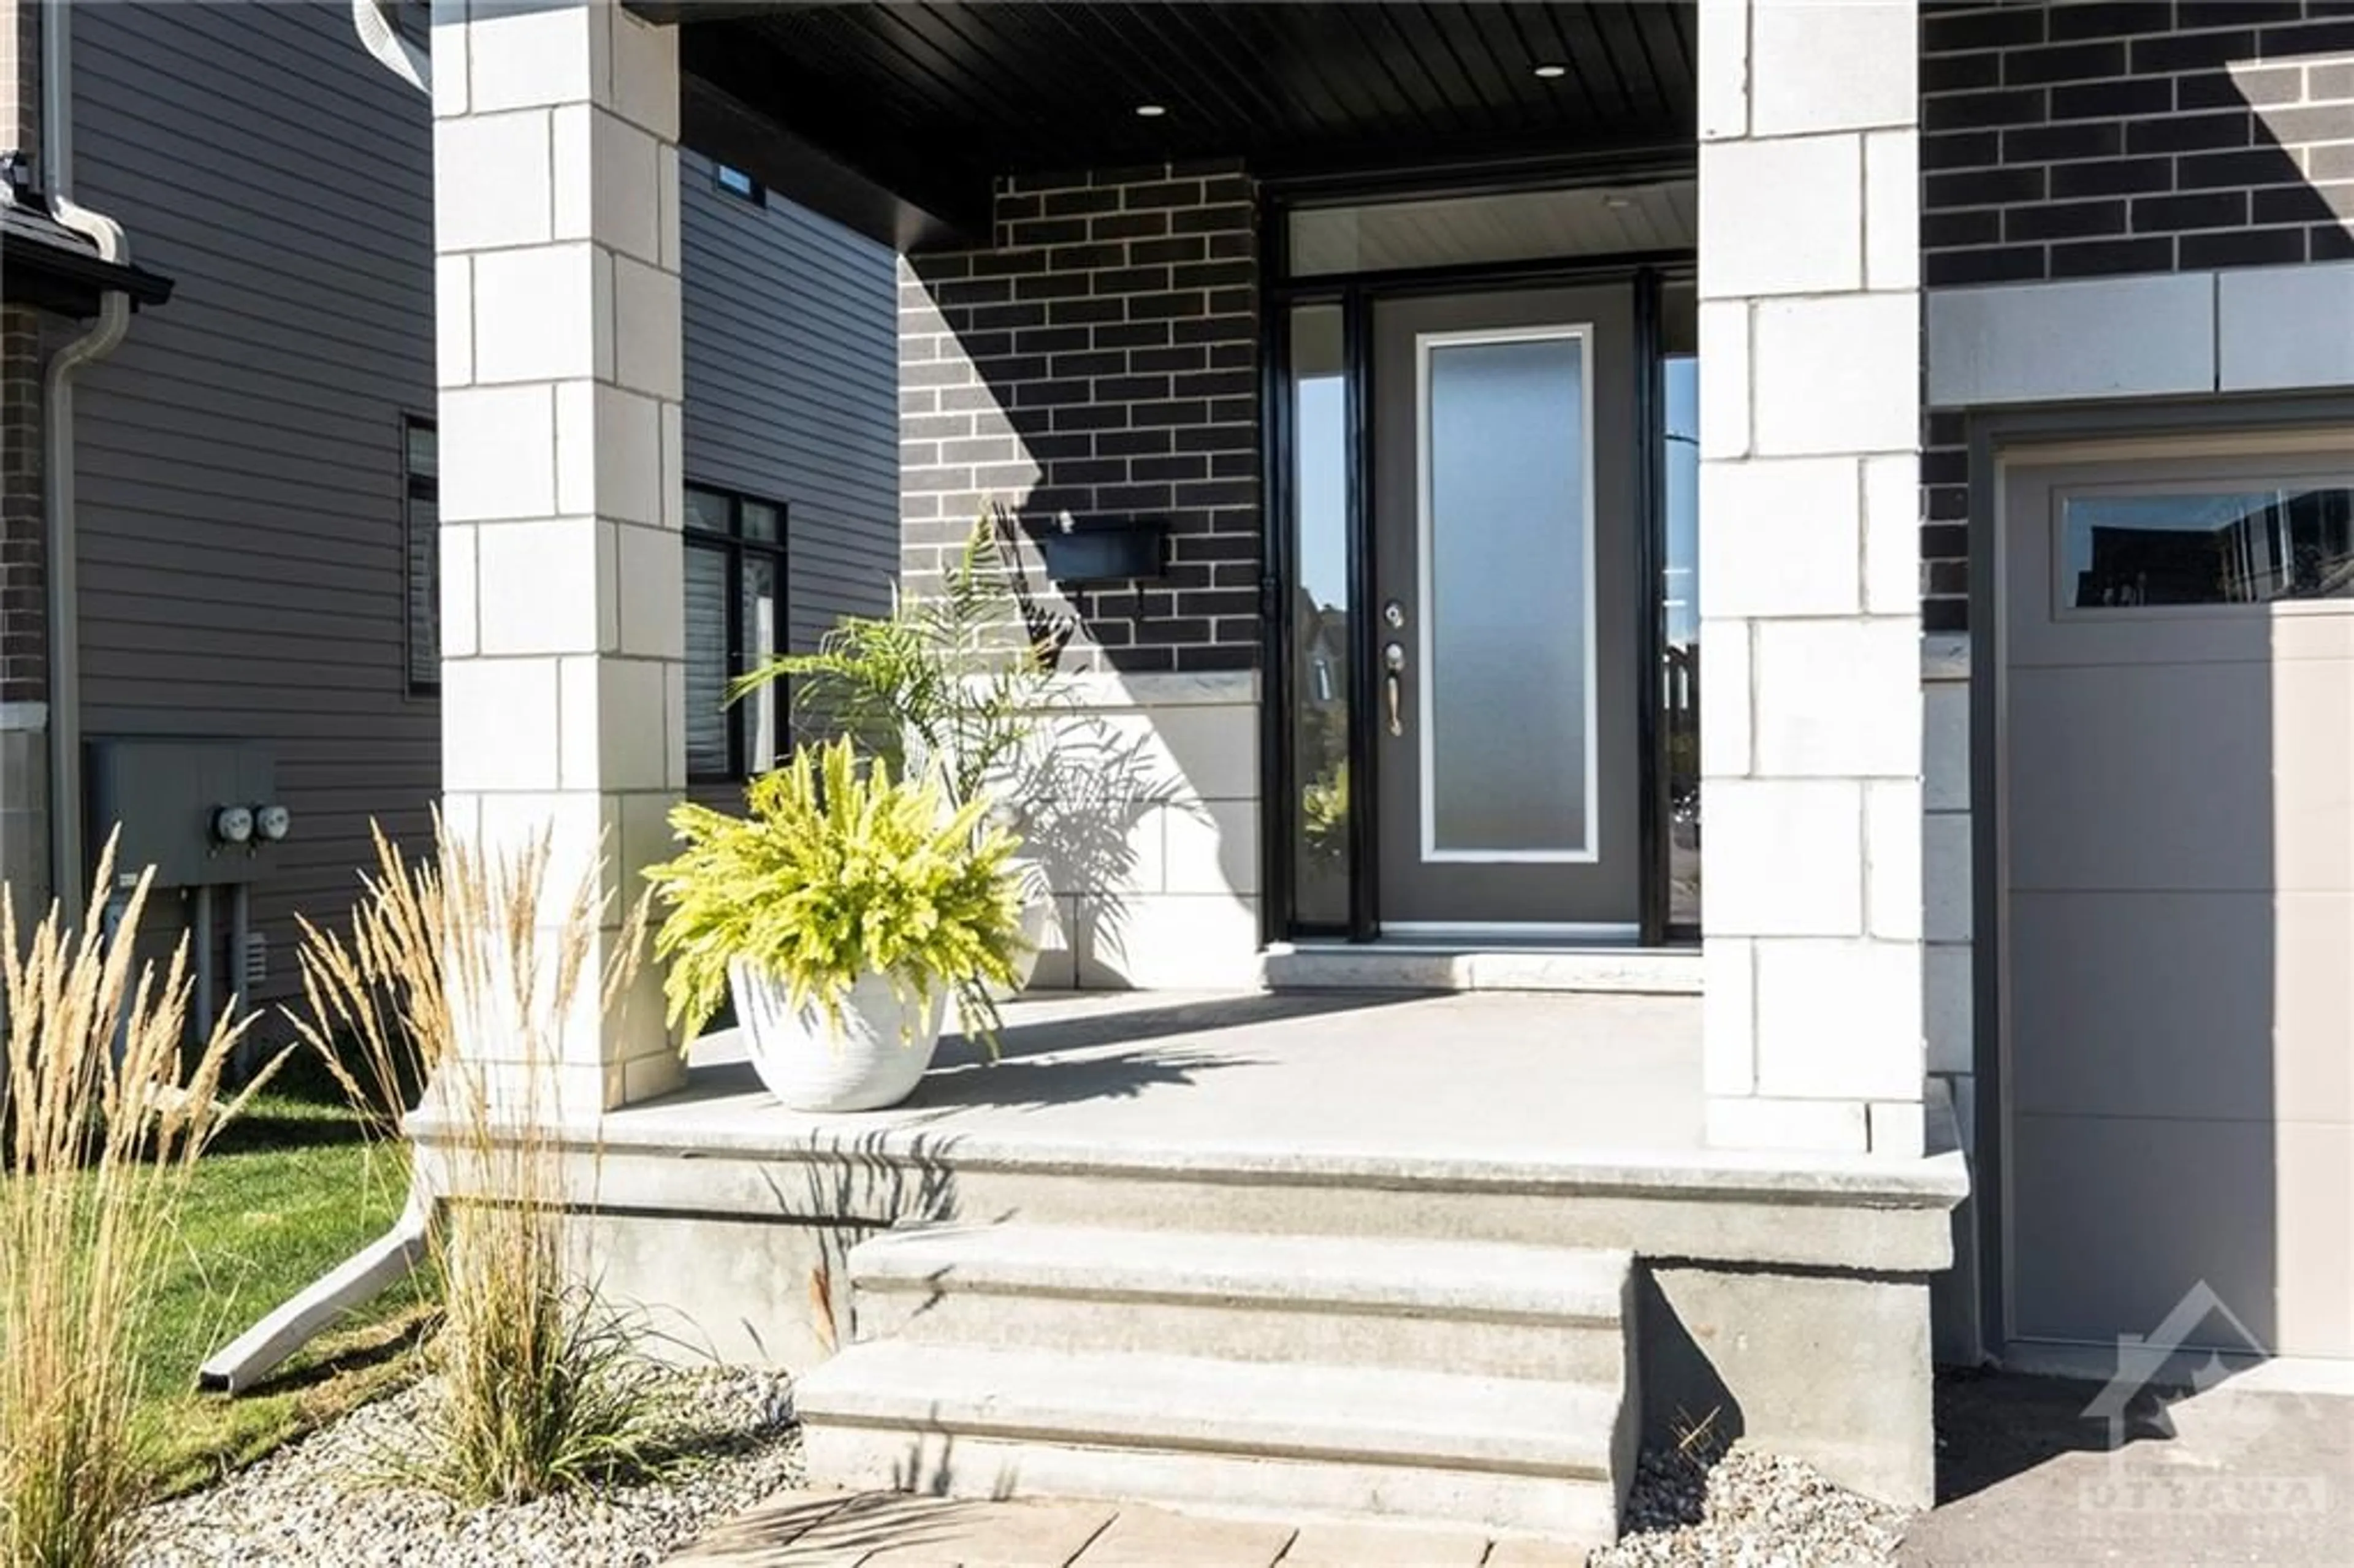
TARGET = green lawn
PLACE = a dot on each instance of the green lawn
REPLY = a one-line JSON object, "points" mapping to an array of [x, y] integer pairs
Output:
{"points": [[287, 1193]]}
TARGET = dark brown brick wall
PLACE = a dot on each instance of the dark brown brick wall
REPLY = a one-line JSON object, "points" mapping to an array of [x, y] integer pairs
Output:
{"points": [[1945, 523], [24, 619], [2082, 138], [2088, 138], [20, 77], [1100, 361]]}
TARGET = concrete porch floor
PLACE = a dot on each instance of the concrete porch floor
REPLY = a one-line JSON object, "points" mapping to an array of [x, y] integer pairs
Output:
{"points": [[1330, 1075]]}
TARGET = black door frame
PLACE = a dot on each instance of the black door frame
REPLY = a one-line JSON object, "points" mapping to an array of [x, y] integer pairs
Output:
{"points": [[1354, 294]]}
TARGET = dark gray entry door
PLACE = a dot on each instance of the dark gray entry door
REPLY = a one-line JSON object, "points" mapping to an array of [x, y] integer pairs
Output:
{"points": [[1506, 612]]}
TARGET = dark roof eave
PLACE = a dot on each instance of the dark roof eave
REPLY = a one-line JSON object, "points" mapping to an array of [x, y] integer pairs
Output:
{"points": [[61, 271]]}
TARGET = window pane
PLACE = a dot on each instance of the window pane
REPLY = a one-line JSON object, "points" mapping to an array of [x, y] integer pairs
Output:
{"points": [[423, 525], [1515, 225], [2242, 546], [706, 663], [761, 593], [709, 510], [1508, 611], [1680, 594], [763, 522], [421, 543], [1319, 632]]}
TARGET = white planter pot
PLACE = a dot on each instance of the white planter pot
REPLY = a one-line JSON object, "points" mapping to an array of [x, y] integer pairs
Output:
{"points": [[874, 1057]]}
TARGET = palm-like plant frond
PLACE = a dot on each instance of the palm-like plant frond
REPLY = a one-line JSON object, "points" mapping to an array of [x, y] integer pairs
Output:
{"points": [[948, 683]]}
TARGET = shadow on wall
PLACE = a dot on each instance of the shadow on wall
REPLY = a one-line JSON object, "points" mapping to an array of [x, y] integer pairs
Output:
{"points": [[2292, 85], [818, 1207], [1094, 794], [1100, 364], [1101, 792]]}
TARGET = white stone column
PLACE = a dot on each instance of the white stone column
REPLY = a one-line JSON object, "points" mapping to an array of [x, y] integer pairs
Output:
{"points": [[1810, 409], [556, 291]]}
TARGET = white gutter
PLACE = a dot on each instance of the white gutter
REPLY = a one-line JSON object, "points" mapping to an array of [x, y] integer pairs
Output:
{"points": [[58, 461]]}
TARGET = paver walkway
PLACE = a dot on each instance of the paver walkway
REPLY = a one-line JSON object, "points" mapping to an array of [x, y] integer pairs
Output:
{"points": [[889, 1530]]}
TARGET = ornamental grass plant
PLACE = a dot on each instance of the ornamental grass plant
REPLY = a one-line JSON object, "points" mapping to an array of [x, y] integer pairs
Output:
{"points": [[536, 1385], [105, 1108]]}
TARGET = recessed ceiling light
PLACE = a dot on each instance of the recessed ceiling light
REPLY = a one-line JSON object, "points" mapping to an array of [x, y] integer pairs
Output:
{"points": [[1151, 110], [1617, 203], [1552, 72]]}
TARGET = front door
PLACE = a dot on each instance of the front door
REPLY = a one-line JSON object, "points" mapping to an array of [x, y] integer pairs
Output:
{"points": [[1507, 607]]}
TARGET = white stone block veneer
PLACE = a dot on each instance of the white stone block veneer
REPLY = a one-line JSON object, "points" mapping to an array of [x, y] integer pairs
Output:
{"points": [[2244, 330], [1811, 744], [1947, 982], [1148, 828], [558, 354]]}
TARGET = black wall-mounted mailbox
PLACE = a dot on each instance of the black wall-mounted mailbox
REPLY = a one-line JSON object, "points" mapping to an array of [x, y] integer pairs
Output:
{"points": [[1106, 549]]}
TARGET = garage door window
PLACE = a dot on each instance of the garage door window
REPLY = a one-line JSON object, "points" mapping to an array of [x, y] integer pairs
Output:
{"points": [[2252, 545]]}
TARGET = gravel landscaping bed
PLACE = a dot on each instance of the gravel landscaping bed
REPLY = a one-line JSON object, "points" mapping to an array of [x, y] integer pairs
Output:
{"points": [[327, 1501], [1748, 1509]]}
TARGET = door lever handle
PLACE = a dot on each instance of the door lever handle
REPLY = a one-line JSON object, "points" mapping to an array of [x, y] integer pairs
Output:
{"points": [[1393, 679]]}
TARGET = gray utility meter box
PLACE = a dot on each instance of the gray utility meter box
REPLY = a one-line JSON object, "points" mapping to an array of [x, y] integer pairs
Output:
{"points": [[166, 794]]}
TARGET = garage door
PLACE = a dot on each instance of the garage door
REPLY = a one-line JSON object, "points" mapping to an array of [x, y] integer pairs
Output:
{"points": [[2178, 856]]}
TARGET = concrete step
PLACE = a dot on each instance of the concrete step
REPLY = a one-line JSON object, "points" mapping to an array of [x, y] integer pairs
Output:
{"points": [[1511, 1454], [1485, 1310], [761, 1165], [1409, 966]]}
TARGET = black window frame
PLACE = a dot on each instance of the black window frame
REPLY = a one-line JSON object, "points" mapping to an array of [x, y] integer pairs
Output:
{"points": [[421, 619], [736, 548]]}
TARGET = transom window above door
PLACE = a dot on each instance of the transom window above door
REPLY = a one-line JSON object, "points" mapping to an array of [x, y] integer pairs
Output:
{"points": [[1493, 228]]}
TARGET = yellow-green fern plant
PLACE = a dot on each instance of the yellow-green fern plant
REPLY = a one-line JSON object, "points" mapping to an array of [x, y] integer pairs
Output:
{"points": [[836, 872]]}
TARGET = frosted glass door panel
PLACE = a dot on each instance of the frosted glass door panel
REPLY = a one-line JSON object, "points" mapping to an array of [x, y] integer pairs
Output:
{"points": [[1507, 644]]}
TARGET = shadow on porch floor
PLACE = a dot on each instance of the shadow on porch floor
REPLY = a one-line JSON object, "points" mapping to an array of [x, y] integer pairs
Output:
{"points": [[1486, 1077]]}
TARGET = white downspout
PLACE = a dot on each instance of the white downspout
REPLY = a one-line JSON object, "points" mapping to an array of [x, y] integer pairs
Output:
{"points": [[57, 460]]}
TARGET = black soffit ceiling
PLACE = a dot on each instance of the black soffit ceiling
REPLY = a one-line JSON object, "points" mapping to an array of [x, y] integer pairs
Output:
{"points": [[895, 117]]}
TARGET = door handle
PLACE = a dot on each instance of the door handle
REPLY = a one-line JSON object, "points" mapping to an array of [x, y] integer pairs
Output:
{"points": [[1394, 680]]}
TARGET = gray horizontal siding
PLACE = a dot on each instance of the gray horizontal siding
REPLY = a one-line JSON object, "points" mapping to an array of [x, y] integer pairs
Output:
{"points": [[238, 458], [792, 391]]}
